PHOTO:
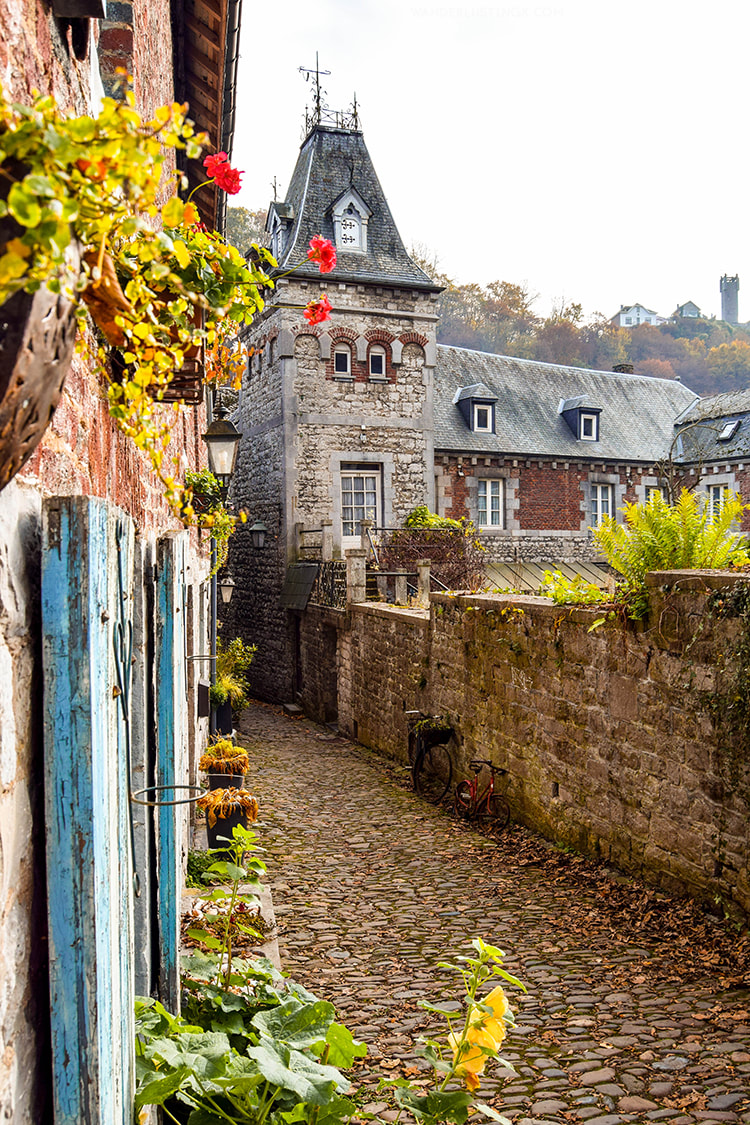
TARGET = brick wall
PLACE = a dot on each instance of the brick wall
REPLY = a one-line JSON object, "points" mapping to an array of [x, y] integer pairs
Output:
{"points": [[81, 453], [609, 736]]}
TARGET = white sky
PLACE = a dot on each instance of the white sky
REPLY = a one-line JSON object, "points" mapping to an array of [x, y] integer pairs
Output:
{"points": [[596, 151]]}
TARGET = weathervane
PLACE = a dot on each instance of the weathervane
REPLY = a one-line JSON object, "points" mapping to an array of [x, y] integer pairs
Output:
{"points": [[321, 114]]}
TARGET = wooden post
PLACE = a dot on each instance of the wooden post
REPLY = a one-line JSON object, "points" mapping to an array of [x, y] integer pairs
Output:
{"points": [[171, 757]]}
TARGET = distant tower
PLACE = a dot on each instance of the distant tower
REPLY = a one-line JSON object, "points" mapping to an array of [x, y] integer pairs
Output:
{"points": [[729, 289]]}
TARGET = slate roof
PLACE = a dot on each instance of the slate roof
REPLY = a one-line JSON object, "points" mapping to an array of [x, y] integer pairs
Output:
{"points": [[703, 421], [636, 422], [330, 162]]}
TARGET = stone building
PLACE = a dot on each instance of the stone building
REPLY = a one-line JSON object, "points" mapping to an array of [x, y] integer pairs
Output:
{"points": [[365, 416], [74, 940]]}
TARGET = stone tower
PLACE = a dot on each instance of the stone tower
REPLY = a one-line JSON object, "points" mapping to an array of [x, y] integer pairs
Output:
{"points": [[729, 290], [337, 418]]}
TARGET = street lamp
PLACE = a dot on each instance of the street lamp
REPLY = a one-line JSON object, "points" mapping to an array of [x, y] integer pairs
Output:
{"points": [[226, 587], [258, 533], [222, 439]]}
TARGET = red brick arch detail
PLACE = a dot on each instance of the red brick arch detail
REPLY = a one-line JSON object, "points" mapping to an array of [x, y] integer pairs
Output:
{"points": [[379, 336], [414, 338], [343, 336], [307, 330]]}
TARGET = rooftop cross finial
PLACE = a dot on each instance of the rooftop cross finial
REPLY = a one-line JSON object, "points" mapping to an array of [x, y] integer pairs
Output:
{"points": [[275, 187], [319, 103], [320, 113]]}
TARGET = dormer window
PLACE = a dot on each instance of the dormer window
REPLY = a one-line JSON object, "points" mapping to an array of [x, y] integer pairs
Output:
{"points": [[581, 415], [477, 404], [589, 426], [482, 420], [342, 361], [350, 217]]}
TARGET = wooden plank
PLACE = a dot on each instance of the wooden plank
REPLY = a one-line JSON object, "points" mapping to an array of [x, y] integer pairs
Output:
{"points": [[171, 752], [86, 798]]}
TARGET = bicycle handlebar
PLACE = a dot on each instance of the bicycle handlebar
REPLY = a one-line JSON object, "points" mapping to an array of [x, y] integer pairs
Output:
{"points": [[477, 764]]}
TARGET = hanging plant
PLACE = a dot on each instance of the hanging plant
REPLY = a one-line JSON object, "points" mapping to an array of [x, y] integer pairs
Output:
{"points": [[225, 803], [160, 286]]}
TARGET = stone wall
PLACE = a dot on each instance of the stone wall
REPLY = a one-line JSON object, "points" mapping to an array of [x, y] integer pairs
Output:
{"points": [[621, 742]]}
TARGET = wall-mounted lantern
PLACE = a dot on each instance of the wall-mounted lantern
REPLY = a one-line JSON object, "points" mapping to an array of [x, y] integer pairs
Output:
{"points": [[222, 439], [226, 587], [258, 533]]}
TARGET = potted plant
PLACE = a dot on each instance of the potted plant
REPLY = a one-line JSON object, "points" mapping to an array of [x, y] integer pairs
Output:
{"points": [[225, 809], [225, 764], [228, 693]]}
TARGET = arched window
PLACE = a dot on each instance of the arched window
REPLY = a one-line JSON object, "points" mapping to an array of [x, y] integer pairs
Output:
{"points": [[342, 361], [377, 363]]}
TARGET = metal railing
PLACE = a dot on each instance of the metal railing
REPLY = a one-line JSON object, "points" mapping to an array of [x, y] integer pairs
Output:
{"points": [[330, 585]]}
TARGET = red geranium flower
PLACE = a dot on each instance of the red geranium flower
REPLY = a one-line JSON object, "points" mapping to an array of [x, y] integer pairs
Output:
{"points": [[322, 251], [318, 311], [222, 173], [211, 163], [228, 179]]}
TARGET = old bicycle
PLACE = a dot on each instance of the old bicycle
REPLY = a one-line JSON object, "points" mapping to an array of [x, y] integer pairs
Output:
{"points": [[431, 765], [488, 805]]}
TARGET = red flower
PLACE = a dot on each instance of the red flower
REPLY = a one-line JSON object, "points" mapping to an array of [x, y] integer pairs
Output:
{"points": [[228, 179], [318, 311], [221, 172], [323, 251], [211, 163]]}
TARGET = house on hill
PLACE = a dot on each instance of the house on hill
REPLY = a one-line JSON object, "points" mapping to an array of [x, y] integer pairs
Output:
{"points": [[687, 311], [631, 316], [365, 416]]}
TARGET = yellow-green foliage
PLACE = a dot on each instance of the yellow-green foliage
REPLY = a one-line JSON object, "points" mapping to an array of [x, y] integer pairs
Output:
{"points": [[566, 591], [684, 536]]}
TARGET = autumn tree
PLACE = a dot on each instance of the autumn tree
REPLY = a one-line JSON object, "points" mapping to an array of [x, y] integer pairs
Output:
{"points": [[245, 227]]}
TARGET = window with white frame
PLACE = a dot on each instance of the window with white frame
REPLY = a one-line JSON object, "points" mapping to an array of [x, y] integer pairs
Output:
{"points": [[589, 427], [601, 503], [652, 491], [490, 503], [342, 361], [360, 499], [482, 417], [377, 362], [717, 495]]}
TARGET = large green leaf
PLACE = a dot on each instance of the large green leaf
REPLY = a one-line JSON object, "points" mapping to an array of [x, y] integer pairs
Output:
{"points": [[297, 1024], [161, 1087], [448, 1105], [291, 1070], [343, 1048]]}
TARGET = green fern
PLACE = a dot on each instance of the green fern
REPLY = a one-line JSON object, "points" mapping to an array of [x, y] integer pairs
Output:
{"points": [[684, 536]]}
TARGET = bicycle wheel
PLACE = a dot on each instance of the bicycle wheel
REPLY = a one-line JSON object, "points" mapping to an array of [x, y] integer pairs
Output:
{"points": [[498, 813], [462, 801], [432, 774]]}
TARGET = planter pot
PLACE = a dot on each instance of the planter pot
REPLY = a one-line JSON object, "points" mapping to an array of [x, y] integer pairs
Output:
{"points": [[223, 717], [37, 337], [226, 780], [223, 828]]}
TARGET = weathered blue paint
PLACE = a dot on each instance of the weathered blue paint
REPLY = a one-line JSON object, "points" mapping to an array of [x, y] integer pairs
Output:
{"points": [[171, 769], [86, 794]]}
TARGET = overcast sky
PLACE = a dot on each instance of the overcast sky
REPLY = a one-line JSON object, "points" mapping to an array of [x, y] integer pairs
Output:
{"points": [[595, 151]]}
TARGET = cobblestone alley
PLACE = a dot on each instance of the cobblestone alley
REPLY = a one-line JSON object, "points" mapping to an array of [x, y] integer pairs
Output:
{"points": [[372, 887]]}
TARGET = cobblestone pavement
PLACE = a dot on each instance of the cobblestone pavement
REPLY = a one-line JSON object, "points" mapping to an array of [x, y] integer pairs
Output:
{"points": [[372, 887]]}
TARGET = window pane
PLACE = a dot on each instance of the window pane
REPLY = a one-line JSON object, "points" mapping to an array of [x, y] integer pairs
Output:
{"points": [[376, 363], [341, 362]]}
